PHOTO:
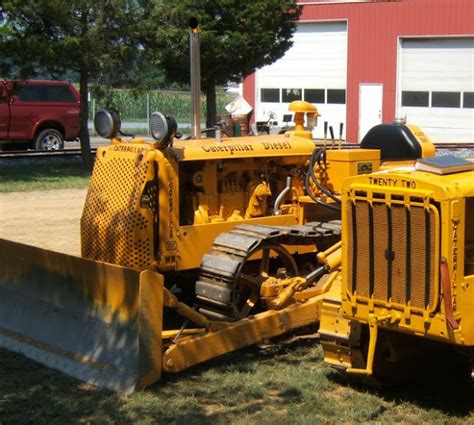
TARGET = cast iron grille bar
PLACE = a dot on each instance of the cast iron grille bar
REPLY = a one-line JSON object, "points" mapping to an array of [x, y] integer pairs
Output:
{"points": [[427, 257], [371, 251], [408, 256], [354, 249], [390, 253]]}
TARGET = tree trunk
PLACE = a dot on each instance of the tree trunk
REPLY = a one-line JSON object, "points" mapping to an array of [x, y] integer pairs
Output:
{"points": [[211, 105], [83, 118]]}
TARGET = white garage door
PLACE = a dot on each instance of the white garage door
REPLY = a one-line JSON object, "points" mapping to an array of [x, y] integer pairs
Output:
{"points": [[436, 87], [313, 69]]}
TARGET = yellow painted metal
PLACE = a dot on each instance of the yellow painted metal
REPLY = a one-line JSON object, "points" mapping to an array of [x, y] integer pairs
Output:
{"points": [[379, 205], [337, 334], [373, 332], [242, 147], [258, 201], [140, 212], [300, 108], [117, 226], [337, 352], [150, 327], [173, 333], [190, 252], [342, 164], [189, 351], [427, 147], [184, 310], [147, 207], [97, 322], [390, 165], [331, 258], [278, 293], [448, 200], [321, 287]]}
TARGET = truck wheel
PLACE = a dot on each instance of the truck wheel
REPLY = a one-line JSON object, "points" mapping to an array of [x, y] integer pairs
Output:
{"points": [[49, 140]]}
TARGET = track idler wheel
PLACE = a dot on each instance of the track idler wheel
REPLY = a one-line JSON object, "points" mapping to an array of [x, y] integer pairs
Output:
{"points": [[269, 260]]}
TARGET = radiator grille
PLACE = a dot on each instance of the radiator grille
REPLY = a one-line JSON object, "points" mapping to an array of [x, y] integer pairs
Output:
{"points": [[391, 252], [114, 227]]}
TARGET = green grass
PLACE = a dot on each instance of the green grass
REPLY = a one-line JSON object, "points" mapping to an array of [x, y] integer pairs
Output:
{"points": [[281, 385], [21, 175]]}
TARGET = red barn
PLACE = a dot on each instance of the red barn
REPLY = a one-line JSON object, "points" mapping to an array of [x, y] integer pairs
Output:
{"points": [[365, 62]]}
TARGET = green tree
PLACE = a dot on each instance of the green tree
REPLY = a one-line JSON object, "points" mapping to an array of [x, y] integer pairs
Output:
{"points": [[96, 40], [237, 37]]}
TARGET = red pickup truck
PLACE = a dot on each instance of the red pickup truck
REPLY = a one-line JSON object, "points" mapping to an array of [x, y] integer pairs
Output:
{"points": [[38, 114]]}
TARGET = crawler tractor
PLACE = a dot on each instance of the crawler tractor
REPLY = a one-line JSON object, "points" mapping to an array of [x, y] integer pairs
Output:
{"points": [[406, 288], [194, 248], [162, 205]]}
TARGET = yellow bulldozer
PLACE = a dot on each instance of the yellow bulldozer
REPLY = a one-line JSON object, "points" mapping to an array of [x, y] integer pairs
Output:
{"points": [[195, 248], [406, 282]]}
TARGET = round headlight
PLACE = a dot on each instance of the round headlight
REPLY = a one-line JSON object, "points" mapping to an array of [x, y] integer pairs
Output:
{"points": [[162, 127], [107, 123]]}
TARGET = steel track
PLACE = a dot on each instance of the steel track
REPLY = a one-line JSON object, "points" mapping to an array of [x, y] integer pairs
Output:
{"points": [[221, 266]]}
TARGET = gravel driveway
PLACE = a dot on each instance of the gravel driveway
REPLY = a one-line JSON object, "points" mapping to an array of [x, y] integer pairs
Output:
{"points": [[48, 219]]}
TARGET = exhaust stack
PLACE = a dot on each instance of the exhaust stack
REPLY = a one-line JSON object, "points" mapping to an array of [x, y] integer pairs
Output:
{"points": [[195, 59]]}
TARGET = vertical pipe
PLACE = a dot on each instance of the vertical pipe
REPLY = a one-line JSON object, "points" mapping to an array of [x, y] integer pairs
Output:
{"points": [[195, 60], [147, 100], [93, 115]]}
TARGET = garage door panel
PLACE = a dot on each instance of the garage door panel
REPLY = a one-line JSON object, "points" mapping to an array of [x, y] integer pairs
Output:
{"points": [[320, 65], [443, 124], [438, 65], [317, 60], [432, 64], [445, 117]]}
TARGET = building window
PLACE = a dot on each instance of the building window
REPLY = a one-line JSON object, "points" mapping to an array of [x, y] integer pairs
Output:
{"points": [[415, 98], [447, 99], [468, 100], [290, 95], [270, 95], [314, 95], [336, 96]]}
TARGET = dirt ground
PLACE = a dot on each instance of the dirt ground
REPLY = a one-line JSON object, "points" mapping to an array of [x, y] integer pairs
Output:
{"points": [[48, 219]]}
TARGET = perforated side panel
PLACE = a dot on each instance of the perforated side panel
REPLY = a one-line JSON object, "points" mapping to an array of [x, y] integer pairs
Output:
{"points": [[391, 253], [115, 228]]}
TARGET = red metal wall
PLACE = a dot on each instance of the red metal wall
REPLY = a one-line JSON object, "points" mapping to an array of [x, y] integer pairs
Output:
{"points": [[373, 31]]}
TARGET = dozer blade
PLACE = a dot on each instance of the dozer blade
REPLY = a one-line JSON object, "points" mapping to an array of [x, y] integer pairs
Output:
{"points": [[97, 322]]}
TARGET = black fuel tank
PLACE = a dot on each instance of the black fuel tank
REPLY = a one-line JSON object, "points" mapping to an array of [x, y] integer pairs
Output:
{"points": [[395, 141]]}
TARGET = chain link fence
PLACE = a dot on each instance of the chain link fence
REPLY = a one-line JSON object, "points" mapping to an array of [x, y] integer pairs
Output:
{"points": [[135, 108]]}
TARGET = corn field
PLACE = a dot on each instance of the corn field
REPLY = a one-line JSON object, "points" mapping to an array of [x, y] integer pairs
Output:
{"points": [[137, 107]]}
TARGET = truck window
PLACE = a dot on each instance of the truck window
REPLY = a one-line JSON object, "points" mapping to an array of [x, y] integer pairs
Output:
{"points": [[38, 93], [469, 238]]}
